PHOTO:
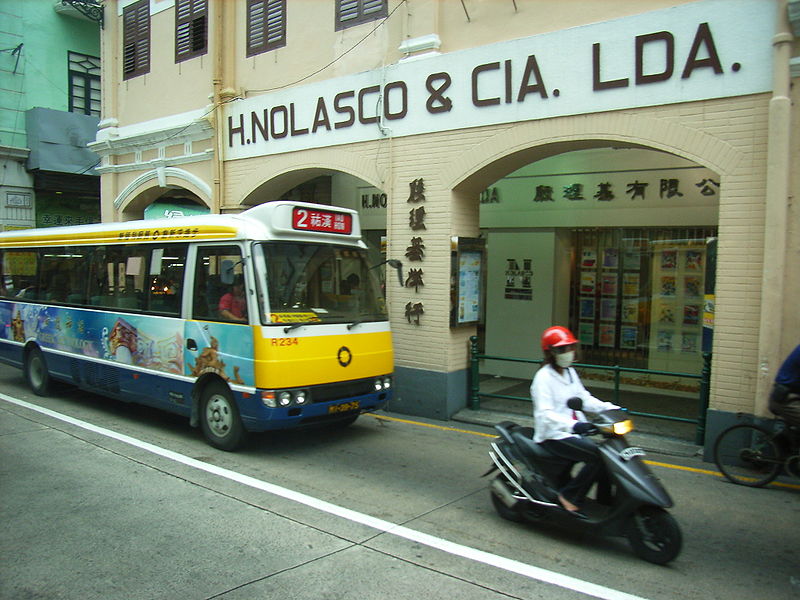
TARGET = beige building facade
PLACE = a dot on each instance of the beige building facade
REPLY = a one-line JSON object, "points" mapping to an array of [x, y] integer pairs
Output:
{"points": [[627, 166]]}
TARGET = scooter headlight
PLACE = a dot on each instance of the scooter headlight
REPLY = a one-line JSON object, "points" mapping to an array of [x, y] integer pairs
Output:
{"points": [[622, 427]]}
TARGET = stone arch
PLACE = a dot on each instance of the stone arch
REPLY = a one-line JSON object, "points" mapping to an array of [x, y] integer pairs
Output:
{"points": [[284, 172], [524, 143], [150, 185]]}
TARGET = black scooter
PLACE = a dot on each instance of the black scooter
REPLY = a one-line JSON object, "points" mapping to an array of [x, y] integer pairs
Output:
{"points": [[629, 501]]}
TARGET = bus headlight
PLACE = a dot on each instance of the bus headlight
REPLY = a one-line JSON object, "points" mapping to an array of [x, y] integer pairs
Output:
{"points": [[284, 398], [300, 398], [378, 384], [387, 383], [268, 399]]}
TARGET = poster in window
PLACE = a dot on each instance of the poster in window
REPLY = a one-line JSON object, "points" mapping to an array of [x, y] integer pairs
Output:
{"points": [[630, 311], [610, 258], [607, 337], [694, 260], [586, 334], [689, 343], [691, 314], [631, 259], [608, 309], [627, 337], [664, 340], [608, 284], [666, 313], [587, 308], [667, 285], [669, 259], [630, 284], [588, 258], [693, 286], [588, 283]]}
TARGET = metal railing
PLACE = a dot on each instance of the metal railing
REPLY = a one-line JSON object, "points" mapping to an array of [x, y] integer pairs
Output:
{"points": [[704, 377]]}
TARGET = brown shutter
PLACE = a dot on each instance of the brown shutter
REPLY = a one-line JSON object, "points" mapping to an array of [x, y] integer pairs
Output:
{"points": [[355, 12], [191, 29], [136, 39], [266, 25]]}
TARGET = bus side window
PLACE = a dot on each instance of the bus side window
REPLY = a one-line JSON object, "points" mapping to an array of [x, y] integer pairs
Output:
{"points": [[166, 279], [19, 273]]}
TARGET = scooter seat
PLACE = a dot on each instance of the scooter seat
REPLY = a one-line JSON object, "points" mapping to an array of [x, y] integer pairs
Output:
{"points": [[524, 439]]}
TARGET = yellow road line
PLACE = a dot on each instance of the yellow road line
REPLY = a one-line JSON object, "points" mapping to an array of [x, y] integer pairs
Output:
{"points": [[491, 435], [439, 427]]}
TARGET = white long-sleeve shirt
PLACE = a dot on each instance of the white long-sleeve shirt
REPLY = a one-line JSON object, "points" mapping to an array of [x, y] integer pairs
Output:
{"points": [[550, 392]]}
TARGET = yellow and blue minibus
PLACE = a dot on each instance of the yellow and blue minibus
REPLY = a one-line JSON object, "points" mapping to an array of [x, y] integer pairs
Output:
{"points": [[270, 319]]}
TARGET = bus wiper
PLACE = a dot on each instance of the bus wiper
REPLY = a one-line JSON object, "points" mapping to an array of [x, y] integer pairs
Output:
{"points": [[292, 326], [354, 324]]}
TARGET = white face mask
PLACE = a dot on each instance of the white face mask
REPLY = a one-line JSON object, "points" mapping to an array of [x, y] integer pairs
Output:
{"points": [[565, 360]]}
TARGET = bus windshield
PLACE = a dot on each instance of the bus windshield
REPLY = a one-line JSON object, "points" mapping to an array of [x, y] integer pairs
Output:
{"points": [[319, 283]]}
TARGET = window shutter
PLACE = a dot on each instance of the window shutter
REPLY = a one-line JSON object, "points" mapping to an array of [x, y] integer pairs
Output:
{"points": [[136, 39], [191, 30], [355, 12], [266, 25]]}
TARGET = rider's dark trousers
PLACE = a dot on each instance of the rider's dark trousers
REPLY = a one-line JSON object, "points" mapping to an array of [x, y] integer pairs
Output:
{"points": [[577, 449]]}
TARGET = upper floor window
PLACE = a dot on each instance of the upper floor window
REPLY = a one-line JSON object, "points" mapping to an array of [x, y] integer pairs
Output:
{"points": [[266, 25], [355, 12], [191, 29], [84, 84], [136, 39]]}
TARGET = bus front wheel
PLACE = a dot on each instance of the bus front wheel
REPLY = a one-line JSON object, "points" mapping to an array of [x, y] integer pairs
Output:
{"points": [[36, 373], [219, 417]]}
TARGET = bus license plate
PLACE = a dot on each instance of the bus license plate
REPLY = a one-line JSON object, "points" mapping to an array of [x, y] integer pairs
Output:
{"points": [[346, 407]]}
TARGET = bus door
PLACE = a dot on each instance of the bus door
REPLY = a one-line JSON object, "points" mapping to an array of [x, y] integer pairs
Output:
{"points": [[219, 340]]}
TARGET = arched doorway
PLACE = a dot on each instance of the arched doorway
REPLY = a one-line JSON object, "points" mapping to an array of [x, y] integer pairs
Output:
{"points": [[615, 242]]}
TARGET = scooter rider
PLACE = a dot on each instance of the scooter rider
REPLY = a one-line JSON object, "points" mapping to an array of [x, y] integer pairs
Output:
{"points": [[558, 427]]}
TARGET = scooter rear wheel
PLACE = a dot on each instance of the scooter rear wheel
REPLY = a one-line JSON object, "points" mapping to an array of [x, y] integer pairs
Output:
{"points": [[508, 513], [654, 535]]}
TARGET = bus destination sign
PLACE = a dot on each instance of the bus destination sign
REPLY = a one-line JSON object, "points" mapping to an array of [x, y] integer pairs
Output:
{"points": [[306, 219]]}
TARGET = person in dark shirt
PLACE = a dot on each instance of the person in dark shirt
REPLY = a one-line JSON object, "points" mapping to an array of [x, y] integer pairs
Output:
{"points": [[784, 400]]}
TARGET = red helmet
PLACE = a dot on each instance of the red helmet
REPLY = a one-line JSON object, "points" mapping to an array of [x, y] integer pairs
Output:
{"points": [[553, 337]]}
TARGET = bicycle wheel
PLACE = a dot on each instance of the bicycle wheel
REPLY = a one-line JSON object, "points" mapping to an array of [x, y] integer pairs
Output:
{"points": [[748, 455]]}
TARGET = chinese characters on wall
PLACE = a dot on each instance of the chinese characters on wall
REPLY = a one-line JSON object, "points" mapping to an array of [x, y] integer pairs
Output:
{"points": [[415, 252], [605, 191]]}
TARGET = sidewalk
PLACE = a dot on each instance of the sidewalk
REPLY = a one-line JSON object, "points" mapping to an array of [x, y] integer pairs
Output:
{"points": [[656, 444]]}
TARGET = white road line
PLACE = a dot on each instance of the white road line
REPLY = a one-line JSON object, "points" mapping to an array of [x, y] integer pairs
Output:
{"points": [[507, 564]]}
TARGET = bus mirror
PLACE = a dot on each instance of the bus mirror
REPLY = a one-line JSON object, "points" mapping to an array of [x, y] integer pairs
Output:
{"points": [[395, 264]]}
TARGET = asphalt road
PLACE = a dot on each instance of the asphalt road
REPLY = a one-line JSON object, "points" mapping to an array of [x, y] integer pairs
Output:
{"points": [[105, 500]]}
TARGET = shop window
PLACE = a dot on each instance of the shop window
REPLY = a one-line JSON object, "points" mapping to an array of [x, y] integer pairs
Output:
{"points": [[355, 12], [191, 29], [637, 296], [266, 25], [84, 84], [136, 39]]}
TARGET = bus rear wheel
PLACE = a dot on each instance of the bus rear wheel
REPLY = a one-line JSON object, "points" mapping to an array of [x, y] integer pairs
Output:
{"points": [[36, 373], [219, 417]]}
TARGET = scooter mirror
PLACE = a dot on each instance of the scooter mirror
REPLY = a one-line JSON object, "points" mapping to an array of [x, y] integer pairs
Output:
{"points": [[575, 403]]}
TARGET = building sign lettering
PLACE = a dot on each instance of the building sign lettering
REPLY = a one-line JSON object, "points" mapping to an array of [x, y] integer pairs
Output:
{"points": [[686, 53]]}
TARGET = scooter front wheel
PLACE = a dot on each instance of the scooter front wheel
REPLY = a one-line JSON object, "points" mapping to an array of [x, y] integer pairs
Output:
{"points": [[654, 535]]}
